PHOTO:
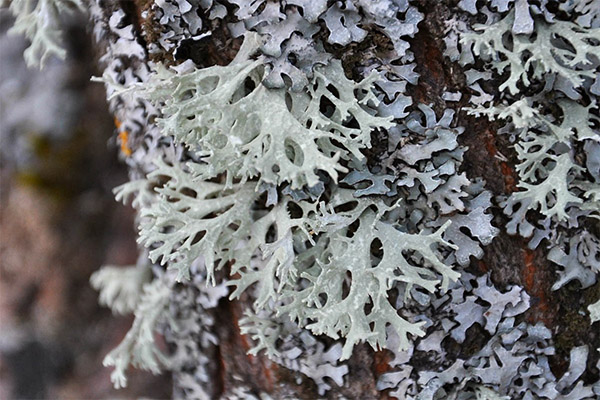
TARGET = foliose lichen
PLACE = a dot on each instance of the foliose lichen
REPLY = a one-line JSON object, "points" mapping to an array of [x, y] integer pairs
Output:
{"points": [[337, 206]]}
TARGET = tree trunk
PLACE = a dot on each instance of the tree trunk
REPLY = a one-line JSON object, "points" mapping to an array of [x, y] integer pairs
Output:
{"points": [[218, 363]]}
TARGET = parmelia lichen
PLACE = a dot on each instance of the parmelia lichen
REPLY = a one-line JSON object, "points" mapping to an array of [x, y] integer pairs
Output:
{"points": [[253, 177]]}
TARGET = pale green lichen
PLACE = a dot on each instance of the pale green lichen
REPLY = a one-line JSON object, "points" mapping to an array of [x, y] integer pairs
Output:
{"points": [[295, 250], [249, 131], [139, 347], [563, 48], [361, 311], [38, 20], [551, 195], [121, 287]]}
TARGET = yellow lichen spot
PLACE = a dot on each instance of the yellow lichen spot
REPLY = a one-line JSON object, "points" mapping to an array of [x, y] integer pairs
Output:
{"points": [[117, 123], [123, 136]]}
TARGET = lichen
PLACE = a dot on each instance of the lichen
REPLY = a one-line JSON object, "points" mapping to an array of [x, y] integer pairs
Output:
{"points": [[39, 21], [303, 178]]}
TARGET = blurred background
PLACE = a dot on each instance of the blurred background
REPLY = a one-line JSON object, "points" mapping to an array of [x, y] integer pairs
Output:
{"points": [[59, 223]]}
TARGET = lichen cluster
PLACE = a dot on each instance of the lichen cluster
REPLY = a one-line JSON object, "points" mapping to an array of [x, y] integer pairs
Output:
{"points": [[313, 188], [548, 105]]}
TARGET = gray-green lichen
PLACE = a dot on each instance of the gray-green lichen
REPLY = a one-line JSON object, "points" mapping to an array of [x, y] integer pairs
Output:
{"points": [[338, 206]]}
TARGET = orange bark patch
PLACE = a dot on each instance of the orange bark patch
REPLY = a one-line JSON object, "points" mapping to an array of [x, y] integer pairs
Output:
{"points": [[381, 365], [529, 271], [508, 173], [490, 143], [509, 177], [243, 339], [534, 282], [381, 362], [268, 369], [482, 266]]}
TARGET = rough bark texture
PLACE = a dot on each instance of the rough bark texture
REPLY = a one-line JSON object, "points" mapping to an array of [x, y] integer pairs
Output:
{"points": [[490, 156], [507, 257]]}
